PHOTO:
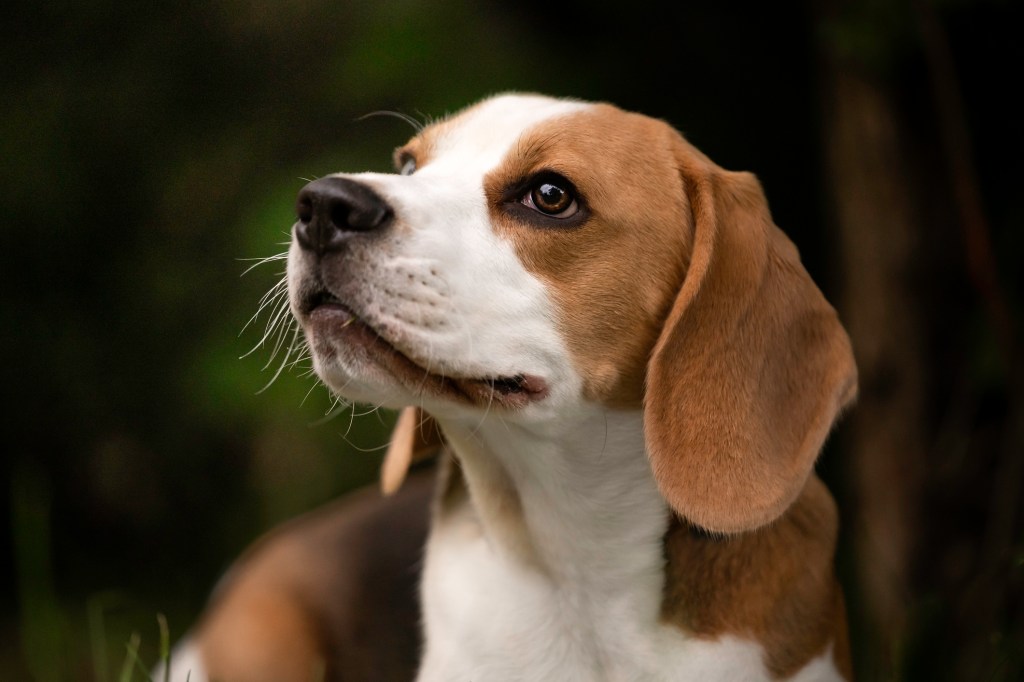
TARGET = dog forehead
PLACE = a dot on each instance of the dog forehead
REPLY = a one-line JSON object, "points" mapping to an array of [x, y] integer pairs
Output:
{"points": [[480, 137]]}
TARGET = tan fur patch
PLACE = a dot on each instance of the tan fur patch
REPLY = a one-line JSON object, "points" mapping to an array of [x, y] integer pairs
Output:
{"points": [[261, 633], [612, 278], [775, 585]]}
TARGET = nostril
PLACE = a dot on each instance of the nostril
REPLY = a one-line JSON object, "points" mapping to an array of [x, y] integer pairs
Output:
{"points": [[360, 217], [339, 214]]}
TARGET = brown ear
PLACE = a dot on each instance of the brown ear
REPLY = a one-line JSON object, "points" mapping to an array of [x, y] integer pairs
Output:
{"points": [[416, 437], [752, 365]]}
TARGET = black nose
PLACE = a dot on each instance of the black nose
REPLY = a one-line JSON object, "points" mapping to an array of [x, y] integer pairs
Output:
{"points": [[332, 208]]}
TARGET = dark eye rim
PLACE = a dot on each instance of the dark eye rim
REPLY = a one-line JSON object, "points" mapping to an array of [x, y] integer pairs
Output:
{"points": [[512, 195], [404, 160]]}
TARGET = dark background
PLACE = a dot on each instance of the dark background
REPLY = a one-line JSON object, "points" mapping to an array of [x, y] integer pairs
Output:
{"points": [[146, 148]]}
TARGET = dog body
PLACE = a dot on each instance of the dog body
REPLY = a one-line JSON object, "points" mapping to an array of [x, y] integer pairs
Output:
{"points": [[630, 376]]}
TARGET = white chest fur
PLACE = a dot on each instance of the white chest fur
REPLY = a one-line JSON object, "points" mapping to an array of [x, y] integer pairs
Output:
{"points": [[577, 595]]}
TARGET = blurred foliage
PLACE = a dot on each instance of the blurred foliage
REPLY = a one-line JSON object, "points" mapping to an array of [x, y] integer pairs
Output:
{"points": [[146, 149]]}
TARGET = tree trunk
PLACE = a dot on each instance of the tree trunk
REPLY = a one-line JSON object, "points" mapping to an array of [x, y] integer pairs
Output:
{"points": [[880, 233]]}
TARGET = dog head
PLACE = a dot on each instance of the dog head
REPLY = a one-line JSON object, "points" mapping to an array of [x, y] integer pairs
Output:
{"points": [[535, 257]]}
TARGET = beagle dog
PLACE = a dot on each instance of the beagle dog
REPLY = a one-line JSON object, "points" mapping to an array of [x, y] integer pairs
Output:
{"points": [[626, 374]]}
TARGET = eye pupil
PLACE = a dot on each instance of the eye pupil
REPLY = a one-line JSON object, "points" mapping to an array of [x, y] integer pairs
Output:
{"points": [[551, 198]]}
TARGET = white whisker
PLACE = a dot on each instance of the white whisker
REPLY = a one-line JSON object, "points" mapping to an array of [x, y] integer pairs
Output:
{"points": [[416, 125], [337, 409], [266, 302], [262, 261], [291, 347], [369, 451]]}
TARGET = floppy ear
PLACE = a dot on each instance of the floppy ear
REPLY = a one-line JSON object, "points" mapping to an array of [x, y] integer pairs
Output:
{"points": [[751, 367], [416, 437]]}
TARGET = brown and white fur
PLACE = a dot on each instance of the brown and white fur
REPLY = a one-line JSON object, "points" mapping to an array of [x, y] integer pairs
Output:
{"points": [[630, 397]]}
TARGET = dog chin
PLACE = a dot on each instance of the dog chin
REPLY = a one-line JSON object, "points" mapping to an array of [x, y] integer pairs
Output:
{"points": [[356, 382]]}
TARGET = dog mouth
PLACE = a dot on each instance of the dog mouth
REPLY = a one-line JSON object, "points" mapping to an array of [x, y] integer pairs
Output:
{"points": [[332, 323]]}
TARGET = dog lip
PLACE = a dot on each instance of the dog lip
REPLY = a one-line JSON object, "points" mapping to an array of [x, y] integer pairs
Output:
{"points": [[321, 298], [325, 309], [515, 391]]}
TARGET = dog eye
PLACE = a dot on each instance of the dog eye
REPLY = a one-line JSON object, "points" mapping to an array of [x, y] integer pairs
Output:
{"points": [[408, 166], [552, 197]]}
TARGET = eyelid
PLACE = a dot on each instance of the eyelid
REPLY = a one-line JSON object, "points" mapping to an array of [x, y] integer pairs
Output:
{"points": [[515, 191], [403, 162], [404, 156]]}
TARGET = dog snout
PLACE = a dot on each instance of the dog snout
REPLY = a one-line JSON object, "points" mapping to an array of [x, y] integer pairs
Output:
{"points": [[332, 209]]}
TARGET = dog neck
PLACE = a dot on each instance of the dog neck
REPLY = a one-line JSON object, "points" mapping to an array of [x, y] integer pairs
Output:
{"points": [[574, 498]]}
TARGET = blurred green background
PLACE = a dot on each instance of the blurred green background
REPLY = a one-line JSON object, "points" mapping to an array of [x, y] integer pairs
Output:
{"points": [[148, 148]]}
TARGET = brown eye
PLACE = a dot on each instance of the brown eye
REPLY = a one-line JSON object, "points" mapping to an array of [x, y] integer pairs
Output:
{"points": [[552, 199]]}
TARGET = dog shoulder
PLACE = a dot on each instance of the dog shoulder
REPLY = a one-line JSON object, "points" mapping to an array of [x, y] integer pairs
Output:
{"points": [[333, 590]]}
